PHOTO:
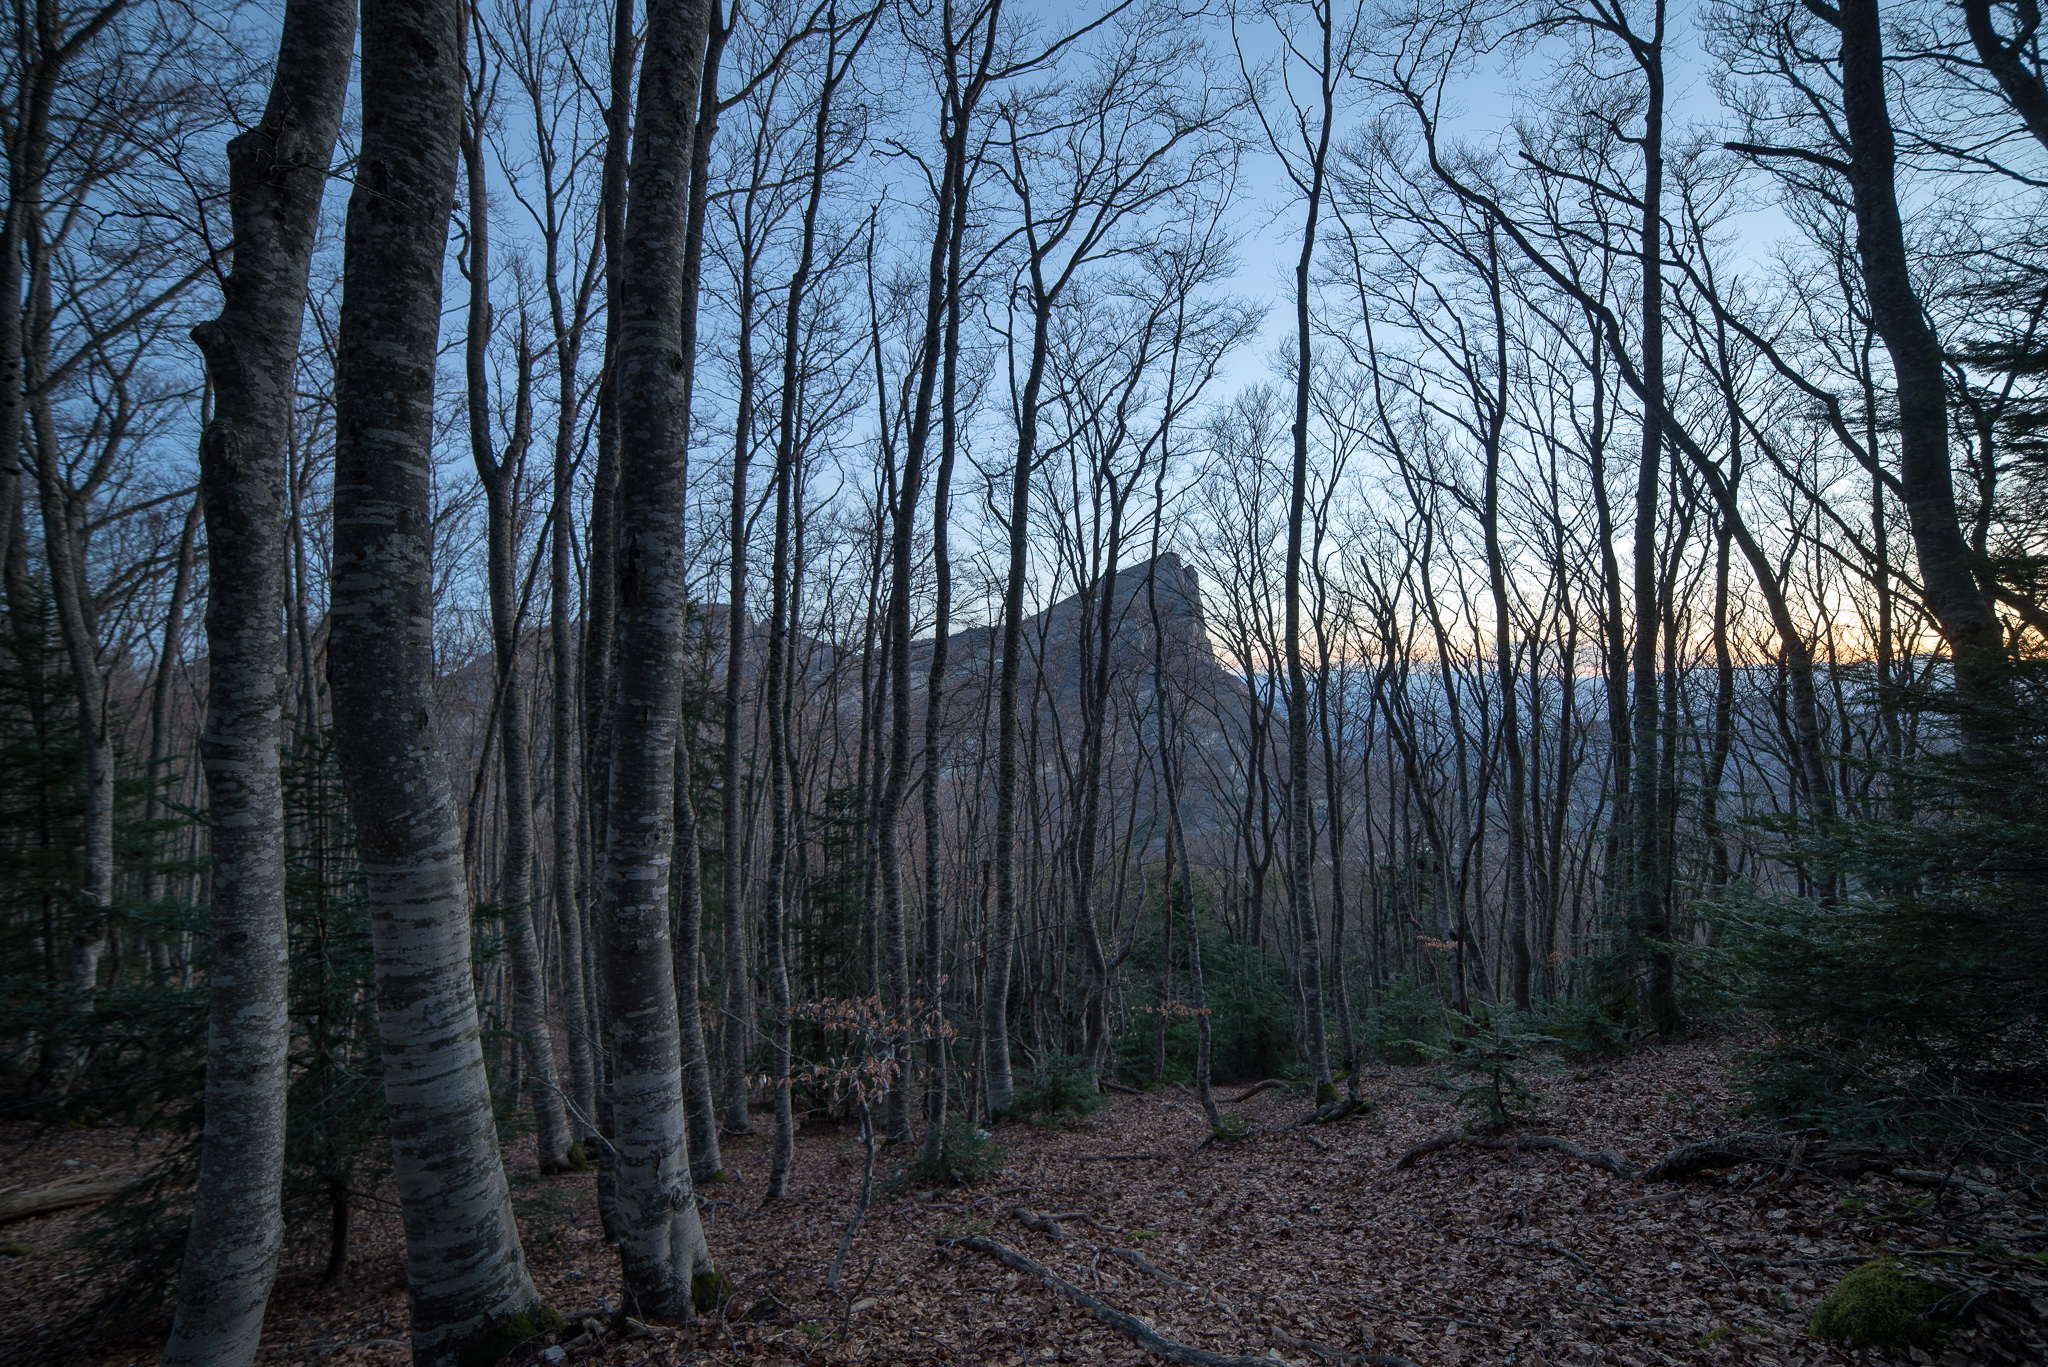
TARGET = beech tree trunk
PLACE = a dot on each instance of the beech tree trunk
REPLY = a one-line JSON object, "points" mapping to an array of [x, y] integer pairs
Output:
{"points": [[277, 173], [465, 1270], [661, 1242]]}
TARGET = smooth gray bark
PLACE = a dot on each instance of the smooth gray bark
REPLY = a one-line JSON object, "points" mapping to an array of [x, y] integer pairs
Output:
{"points": [[277, 173], [661, 1242], [464, 1267]]}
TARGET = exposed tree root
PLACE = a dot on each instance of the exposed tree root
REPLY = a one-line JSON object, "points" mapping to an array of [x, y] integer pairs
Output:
{"points": [[1330, 1114], [1137, 1330], [1041, 1224], [1601, 1158]]}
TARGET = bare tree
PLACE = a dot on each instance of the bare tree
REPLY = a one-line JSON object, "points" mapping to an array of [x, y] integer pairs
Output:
{"points": [[661, 1242], [277, 175], [464, 1265]]}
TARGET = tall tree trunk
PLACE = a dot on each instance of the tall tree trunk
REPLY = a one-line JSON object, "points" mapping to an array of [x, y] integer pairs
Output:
{"points": [[1948, 577], [277, 173], [499, 472], [64, 547], [705, 1161], [1649, 882], [601, 592], [1301, 836], [788, 402], [163, 685], [466, 1272], [961, 101], [996, 999], [564, 750], [1493, 418], [736, 1008], [661, 1242]]}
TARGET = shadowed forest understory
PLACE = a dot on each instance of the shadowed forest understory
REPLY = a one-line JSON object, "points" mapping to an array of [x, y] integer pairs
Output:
{"points": [[1317, 1245], [766, 681]]}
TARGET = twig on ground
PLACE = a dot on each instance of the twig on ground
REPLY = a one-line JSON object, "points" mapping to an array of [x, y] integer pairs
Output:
{"points": [[1440, 1319], [1600, 1158], [1145, 1265], [1560, 1252], [1248, 1093], [1328, 1354], [1920, 1177]]}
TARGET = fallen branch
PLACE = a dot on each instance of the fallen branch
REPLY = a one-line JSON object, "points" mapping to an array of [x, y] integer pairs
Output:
{"points": [[1130, 1326], [1147, 1266], [1120, 1087], [1115, 1157], [24, 1205], [1248, 1093], [1050, 1224], [1923, 1178], [1560, 1252], [1440, 1319], [1600, 1158]]}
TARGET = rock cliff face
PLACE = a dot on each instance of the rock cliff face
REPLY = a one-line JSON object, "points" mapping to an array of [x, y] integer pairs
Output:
{"points": [[1059, 642], [1059, 645]]}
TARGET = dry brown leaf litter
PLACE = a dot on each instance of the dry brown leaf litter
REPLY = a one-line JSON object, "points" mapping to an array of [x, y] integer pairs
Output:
{"points": [[1291, 1239]]}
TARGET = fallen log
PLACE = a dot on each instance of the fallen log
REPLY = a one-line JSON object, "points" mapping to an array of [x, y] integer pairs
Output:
{"points": [[1840, 1160], [1598, 1158], [1130, 1326], [24, 1205]]}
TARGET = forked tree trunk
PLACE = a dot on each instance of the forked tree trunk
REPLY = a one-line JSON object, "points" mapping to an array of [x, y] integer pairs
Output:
{"points": [[466, 1273], [499, 472], [661, 1242], [277, 173]]}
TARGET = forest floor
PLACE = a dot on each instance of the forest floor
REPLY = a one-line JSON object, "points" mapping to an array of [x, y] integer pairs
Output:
{"points": [[1298, 1245]]}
